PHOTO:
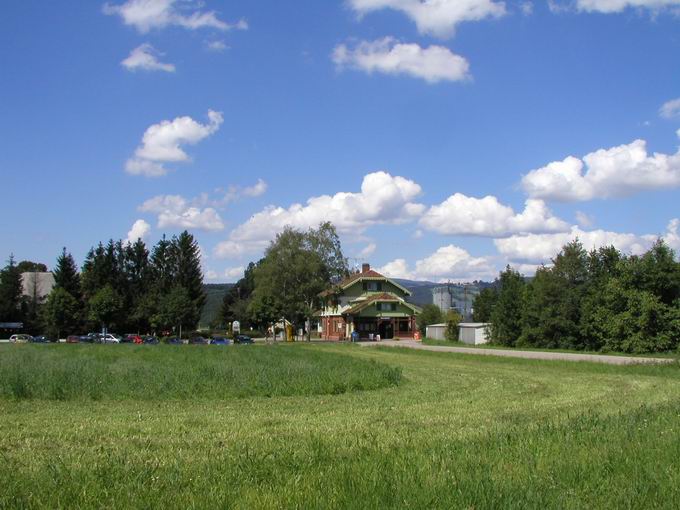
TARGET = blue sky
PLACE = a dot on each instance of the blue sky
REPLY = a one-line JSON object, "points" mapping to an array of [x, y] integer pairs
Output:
{"points": [[392, 118]]}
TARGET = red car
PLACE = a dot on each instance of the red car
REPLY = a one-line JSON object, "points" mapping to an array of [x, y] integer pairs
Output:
{"points": [[72, 339], [133, 339]]}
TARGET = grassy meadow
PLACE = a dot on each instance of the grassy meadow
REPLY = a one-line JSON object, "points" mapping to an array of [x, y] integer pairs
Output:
{"points": [[424, 430]]}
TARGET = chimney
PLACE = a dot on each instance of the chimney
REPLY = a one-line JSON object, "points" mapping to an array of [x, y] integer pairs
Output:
{"points": [[365, 268]]}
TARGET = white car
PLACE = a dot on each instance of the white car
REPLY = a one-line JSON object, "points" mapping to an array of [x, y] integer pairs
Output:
{"points": [[109, 339], [20, 339]]}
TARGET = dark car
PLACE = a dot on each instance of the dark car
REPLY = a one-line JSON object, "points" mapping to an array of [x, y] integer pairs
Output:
{"points": [[219, 340], [173, 340], [40, 340], [73, 339], [198, 340], [151, 340], [243, 339]]}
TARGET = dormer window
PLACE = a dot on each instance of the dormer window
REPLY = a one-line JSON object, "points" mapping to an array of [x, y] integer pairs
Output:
{"points": [[373, 286], [386, 307]]}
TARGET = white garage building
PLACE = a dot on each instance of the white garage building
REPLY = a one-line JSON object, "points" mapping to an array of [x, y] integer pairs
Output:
{"points": [[473, 333], [436, 331]]}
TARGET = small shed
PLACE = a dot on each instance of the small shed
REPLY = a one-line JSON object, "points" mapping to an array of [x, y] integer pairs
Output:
{"points": [[473, 333], [436, 331]]}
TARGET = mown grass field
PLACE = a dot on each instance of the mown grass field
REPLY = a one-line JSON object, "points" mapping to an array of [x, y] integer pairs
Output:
{"points": [[454, 431]]}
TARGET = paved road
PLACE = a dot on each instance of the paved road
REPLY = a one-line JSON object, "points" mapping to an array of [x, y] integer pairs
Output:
{"points": [[563, 356]]}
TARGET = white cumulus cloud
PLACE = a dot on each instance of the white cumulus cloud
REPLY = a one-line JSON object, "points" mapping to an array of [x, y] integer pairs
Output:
{"points": [[435, 17], [487, 217], [140, 229], [146, 15], [448, 263], [541, 248], [670, 109], [383, 199], [614, 6], [368, 250], [672, 236], [174, 211], [162, 142], [606, 173], [258, 189], [144, 57], [432, 64]]}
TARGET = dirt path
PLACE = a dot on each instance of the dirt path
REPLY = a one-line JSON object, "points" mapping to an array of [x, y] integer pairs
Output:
{"points": [[512, 353]]}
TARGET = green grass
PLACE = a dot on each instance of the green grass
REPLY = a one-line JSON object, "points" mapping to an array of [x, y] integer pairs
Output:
{"points": [[447, 343], [155, 373], [457, 432]]}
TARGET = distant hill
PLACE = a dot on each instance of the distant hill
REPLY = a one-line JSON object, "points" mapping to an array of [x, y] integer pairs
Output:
{"points": [[215, 294]]}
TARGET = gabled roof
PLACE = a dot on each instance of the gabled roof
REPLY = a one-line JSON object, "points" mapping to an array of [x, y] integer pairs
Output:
{"points": [[384, 297], [370, 275]]}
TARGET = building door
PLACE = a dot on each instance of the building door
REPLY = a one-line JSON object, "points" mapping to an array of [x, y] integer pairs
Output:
{"points": [[386, 330]]}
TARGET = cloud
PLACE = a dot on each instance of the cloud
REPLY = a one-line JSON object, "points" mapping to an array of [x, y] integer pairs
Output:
{"points": [[542, 248], [584, 220], [144, 57], [368, 250], [526, 8], [432, 64], [140, 229], [260, 188], [435, 17], [217, 46], [174, 211], [487, 217], [234, 273], [146, 15], [161, 143], [234, 193], [614, 6], [670, 109], [448, 263], [672, 236], [383, 199], [616, 172]]}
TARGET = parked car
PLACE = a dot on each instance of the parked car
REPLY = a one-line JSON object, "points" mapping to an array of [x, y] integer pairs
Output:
{"points": [[109, 338], [219, 340], [132, 339], [173, 340], [198, 340], [151, 340], [41, 339], [20, 338], [73, 339], [243, 339]]}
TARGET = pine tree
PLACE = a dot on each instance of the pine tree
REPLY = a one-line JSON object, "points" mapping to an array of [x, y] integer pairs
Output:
{"points": [[66, 275], [186, 255], [506, 317], [11, 291], [163, 266]]}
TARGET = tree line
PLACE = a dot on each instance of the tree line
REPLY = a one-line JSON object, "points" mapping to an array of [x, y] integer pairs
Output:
{"points": [[122, 286], [600, 300]]}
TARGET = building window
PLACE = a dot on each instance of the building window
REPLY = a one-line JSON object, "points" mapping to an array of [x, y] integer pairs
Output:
{"points": [[387, 307], [373, 286]]}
